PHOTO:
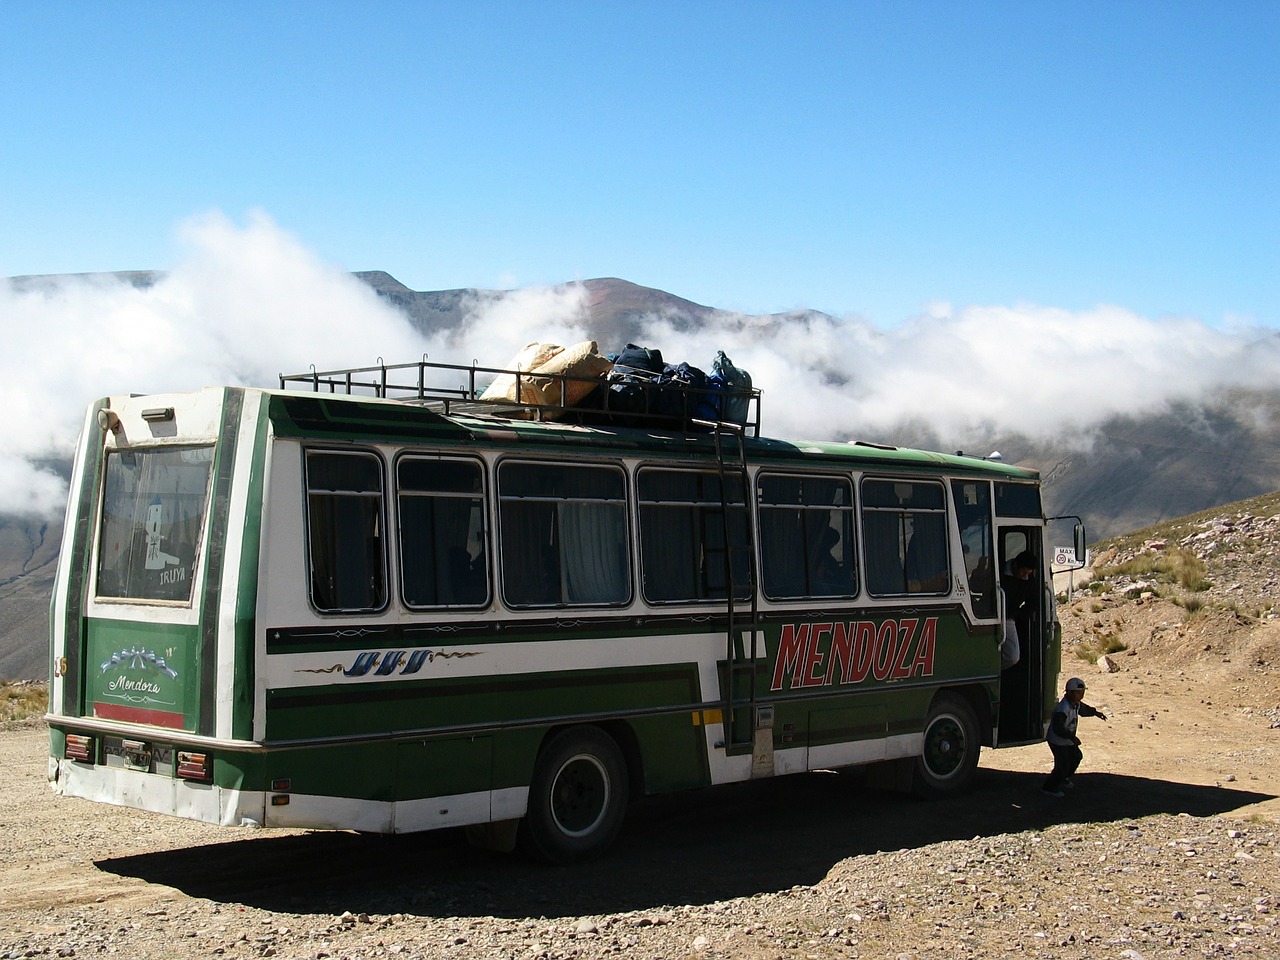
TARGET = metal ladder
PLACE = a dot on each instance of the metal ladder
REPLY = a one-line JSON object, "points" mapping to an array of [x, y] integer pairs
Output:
{"points": [[739, 709]]}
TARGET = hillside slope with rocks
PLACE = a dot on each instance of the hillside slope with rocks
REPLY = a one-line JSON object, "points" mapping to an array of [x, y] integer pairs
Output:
{"points": [[1168, 847]]}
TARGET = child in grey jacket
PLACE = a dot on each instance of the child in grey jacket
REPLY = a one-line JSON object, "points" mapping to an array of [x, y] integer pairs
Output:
{"points": [[1062, 736]]}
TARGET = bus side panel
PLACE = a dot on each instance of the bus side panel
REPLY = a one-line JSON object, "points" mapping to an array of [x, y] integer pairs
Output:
{"points": [[673, 752], [372, 707], [876, 675], [849, 733], [223, 540], [236, 660]]}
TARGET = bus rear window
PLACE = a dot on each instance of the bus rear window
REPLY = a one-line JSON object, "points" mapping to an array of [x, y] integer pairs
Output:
{"points": [[153, 509]]}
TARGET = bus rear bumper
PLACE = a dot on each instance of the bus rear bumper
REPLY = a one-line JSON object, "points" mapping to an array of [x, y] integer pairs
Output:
{"points": [[156, 793], [222, 806]]}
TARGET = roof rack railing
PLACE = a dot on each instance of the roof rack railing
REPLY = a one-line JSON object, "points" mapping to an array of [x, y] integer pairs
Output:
{"points": [[661, 404]]}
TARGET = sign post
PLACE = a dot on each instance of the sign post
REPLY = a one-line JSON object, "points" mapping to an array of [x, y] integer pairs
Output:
{"points": [[1066, 557]]}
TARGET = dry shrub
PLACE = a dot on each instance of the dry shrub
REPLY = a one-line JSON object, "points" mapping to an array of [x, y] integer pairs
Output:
{"points": [[1178, 566], [21, 701], [1100, 644]]}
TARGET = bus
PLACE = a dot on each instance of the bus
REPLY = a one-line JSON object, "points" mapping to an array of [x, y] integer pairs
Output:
{"points": [[363, 602]]}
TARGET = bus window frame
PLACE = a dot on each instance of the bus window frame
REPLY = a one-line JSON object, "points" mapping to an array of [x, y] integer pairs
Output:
{"points": [[502, 562], [382, 517], [993, 584], [95, 596], [941, 483], [749, 517], [853, 547], [486, 526], [1014, 508]]}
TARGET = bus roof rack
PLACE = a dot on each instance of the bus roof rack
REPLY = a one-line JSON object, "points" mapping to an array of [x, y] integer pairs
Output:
{"points": [[631, 398]]}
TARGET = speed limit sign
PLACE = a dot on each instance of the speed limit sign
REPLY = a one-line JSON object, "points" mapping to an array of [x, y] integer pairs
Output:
{"points": [[1064, 556]]}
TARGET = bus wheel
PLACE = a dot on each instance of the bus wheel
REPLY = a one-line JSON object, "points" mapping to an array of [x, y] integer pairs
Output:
{"points": [[951, 747], [577, 798]]}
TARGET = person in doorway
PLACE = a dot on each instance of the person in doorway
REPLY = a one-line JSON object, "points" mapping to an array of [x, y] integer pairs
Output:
{"points": [[1021, 593], [1062, 737], [1020, 587]]}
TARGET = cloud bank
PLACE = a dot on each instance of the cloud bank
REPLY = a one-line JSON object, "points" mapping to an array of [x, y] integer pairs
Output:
{"points": [[984, 371], [248, 302]]}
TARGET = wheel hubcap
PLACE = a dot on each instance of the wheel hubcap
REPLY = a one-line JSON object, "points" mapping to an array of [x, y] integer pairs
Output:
{"points": [[944, 747], [580, 795]]}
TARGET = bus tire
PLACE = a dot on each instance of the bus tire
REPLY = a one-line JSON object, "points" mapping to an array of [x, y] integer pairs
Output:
{"points": [[949, 755], [577, 798]]}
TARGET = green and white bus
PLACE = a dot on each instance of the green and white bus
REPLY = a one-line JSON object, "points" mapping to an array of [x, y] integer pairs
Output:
{"points": [[389, 612]]}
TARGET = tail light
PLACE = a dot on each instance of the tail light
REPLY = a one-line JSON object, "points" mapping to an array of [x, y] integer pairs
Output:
{"points": [[193, 766], [79, 747]]}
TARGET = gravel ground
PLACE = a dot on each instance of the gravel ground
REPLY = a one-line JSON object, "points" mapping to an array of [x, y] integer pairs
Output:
{"points": [[812, 866], [1169, 846]]}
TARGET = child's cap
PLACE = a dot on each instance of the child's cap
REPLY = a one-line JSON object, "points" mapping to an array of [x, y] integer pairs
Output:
{"points": [[1075, 683]]}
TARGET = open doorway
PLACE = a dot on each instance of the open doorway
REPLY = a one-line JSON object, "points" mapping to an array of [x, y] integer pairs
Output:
{"points": [[1022, 570]]}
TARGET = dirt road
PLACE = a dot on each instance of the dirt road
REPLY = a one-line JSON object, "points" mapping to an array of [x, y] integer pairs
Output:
{"points": [[1169, 846]]}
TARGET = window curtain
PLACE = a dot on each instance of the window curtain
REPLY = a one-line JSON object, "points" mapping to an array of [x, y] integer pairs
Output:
{"points": [[593, 552]]}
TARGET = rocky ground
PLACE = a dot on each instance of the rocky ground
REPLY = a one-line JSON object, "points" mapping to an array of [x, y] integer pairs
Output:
{"points": [[1169, 846]]}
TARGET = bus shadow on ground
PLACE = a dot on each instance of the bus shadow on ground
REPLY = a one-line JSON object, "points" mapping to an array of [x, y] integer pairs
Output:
{"points": [[692, 848]]}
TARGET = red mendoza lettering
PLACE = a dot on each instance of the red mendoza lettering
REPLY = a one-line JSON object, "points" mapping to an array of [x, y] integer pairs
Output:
{"points": [[906, 633], [863, 648], [896, 650], [886, 647], [793, 645], [922, 666], [813, 658]]}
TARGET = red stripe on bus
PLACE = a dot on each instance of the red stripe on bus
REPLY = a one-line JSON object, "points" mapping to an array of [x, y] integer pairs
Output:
{"points": [[155, 718]]}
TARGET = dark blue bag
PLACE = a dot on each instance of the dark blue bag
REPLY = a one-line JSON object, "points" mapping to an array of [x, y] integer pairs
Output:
{"points": [[640, 358], [736, 386], [633, 382], [680, 390]]}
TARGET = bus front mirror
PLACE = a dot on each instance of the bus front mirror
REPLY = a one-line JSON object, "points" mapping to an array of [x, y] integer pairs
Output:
{"points": [[1081, 546]]}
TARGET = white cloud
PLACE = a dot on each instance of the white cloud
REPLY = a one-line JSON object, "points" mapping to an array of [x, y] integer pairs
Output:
{"points": [[980, 370], [499, 325], [245, 304], [248, 302]]}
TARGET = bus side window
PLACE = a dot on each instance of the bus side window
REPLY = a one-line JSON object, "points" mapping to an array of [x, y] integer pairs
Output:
{"points": [[904, 531], [806, 537], [563, 534], [686, 546], [443, 555], [344, 530]]}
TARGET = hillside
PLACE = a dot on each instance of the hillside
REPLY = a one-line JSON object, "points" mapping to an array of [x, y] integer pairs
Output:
{"points": [[1128, 472], [1199, 596]]}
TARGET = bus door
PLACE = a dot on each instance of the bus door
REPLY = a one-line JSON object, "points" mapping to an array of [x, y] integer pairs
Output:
{"points": [[1024, 606]]}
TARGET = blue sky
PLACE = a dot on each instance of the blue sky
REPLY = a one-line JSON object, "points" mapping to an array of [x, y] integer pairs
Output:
{"points": [[862, 158]]}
